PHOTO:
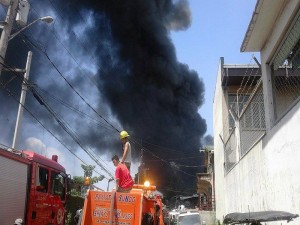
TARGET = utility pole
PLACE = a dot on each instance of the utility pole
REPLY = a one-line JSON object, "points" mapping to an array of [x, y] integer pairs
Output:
{"points": [[6, 30], [22, 100]]}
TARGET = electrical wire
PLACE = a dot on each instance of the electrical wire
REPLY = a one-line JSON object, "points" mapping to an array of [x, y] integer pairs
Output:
{"points": [[164, 161], [74, 109], [44, 51], [51, 62], [64, 125], [50, 132], [70, 85]]}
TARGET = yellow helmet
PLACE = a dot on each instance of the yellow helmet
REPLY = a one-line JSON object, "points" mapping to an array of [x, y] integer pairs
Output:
{"points": [[124, 134]]}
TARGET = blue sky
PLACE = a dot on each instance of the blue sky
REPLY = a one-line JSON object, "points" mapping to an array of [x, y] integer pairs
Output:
{"points": [[217, 30]]}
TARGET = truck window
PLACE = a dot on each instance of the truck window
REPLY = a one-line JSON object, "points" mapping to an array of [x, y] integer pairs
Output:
{"points": [[42, 179], [58, 185]]}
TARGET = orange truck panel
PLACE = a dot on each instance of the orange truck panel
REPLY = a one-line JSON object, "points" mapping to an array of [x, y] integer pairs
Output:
{"points": [[118, 208], [126, 208]]}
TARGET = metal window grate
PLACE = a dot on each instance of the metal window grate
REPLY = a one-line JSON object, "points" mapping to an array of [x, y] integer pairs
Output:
{"points": [[252, 120], [286, 72], [252, 125], [286, 85], [287, 49], [230, 152]]}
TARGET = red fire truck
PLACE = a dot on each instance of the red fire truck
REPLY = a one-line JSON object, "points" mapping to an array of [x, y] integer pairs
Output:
{"points": [[32, 188]]}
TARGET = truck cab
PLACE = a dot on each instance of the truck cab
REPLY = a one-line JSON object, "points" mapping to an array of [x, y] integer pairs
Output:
{"points": [[33, 188]]}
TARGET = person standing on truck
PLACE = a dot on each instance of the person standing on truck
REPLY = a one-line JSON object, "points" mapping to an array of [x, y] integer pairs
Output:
{"points": [[124, 181], [126, 148]]}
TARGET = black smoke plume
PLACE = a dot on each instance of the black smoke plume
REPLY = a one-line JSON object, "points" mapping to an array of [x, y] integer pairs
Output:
{"points": [[138, 78]]}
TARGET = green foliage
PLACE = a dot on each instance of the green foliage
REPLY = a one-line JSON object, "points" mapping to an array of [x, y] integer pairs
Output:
{"points": [[75, 200], [96, 179], [88, 170], [73, 204], [78, 180]]}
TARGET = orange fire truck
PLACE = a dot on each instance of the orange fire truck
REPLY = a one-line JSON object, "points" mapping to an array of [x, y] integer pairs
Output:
{"points": [[32, 188], [138, 207]]}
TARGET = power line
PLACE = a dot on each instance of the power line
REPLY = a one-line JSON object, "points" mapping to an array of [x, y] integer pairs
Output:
{"points": [[104, 118], [64, 125], [42, 49], [81, 43], [71, 86], [68, 130], [49, 59], [165, 161], [69, 106], [13, 95]]}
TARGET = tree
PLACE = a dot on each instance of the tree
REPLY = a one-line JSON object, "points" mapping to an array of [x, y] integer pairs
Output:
{"points": [[75, 200]]}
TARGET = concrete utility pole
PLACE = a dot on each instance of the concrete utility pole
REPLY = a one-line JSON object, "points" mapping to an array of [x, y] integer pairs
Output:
{"points": [[7, 26], [22, 100]]}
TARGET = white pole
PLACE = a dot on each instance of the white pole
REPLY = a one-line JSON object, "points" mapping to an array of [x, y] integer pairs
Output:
{"points": [[22, 100], [10, 16]]}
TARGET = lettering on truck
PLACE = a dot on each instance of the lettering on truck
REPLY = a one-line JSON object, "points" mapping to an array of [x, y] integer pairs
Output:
{"points": [[107, 222], [126, 198], [120, 215], [103, 197], [100, 212]]}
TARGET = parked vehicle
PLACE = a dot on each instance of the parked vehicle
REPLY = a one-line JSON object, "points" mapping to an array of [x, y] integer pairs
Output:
{"points": [[255, 218], [33, 188], [189, 217]]}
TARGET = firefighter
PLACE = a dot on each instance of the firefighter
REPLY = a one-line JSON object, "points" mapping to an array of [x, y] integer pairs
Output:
{"points": [[126, 148], [124, 181]]}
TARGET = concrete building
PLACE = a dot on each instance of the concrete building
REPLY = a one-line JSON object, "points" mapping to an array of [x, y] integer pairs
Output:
{"points": [[257, 117]]}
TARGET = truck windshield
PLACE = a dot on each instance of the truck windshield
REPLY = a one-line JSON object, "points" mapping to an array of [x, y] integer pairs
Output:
{"points": [[189, 219]]}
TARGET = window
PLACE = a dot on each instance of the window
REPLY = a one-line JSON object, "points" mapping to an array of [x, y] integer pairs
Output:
{"points": [[285, 68], [42, 179], [58, 185]]}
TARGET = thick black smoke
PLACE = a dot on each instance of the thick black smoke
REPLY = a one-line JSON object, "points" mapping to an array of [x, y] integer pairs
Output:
{"points": [[152, 95]]}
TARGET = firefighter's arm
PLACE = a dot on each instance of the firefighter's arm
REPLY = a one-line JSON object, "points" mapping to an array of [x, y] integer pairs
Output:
{"points": [[117, 184], [125, 152]]}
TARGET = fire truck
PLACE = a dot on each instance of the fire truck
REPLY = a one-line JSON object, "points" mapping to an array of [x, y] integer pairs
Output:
{"points": [[140, 206], [33, 188]]}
